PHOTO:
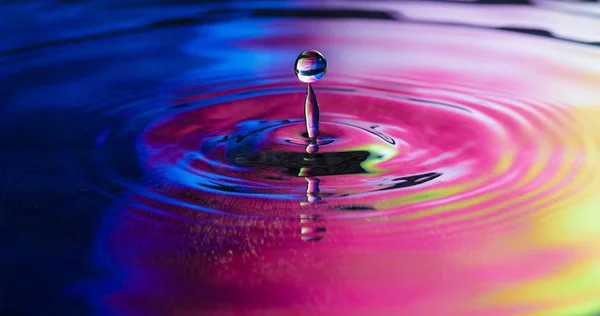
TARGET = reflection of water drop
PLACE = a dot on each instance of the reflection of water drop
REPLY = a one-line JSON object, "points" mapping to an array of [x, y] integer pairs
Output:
{"points": [[312, 189], [313, 233], [310, 66], [313, 228]]}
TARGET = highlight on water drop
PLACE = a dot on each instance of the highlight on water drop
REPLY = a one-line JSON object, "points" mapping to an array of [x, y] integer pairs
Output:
{"points": [[310, 66]]}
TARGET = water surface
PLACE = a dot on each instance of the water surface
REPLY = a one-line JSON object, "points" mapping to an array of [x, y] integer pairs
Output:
{"points": [[157, 165]]}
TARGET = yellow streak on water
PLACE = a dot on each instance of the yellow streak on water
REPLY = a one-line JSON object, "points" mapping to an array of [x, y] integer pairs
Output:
{"points": [[572, 229]]}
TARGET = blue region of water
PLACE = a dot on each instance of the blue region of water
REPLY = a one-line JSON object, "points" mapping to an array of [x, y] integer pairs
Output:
{"points": [[72, 74]]}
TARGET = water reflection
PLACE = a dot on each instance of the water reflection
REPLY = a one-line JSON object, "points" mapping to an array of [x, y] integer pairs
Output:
{"points": [[501, 199]]}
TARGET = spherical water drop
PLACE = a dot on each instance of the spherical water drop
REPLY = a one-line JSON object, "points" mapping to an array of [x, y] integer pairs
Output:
{"points": [[310, 66]]}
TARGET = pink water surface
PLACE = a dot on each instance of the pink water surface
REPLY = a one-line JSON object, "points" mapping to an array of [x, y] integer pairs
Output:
{"points": [[505, 230]]}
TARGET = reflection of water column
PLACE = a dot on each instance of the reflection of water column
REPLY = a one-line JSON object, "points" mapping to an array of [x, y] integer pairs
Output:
{"points": [[312, 229], [313, 194], [312, 189], [310, 66]]}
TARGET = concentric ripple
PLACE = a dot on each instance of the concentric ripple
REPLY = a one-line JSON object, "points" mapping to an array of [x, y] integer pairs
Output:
{"points": [[451, 171], [433, 153]]}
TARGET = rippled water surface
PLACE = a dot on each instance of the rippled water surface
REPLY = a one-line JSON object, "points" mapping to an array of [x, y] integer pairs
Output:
{"points": [[154, 160]]}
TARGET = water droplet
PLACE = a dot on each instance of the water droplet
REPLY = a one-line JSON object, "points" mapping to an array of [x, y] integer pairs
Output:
{"points": [[312, 148], [310, 66]]}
